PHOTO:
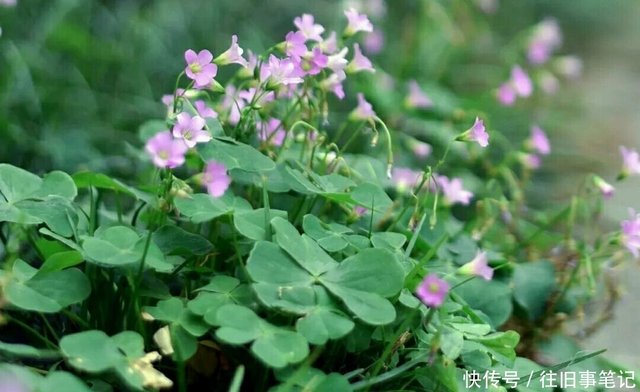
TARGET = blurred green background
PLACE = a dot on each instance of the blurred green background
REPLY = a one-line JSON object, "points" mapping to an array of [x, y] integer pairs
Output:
{"points": [[77, 78]]}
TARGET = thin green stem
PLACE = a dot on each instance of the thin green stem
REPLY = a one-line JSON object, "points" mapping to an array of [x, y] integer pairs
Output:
{"points": [[31, 330]]}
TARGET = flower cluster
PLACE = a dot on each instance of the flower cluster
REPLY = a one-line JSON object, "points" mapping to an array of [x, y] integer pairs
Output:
{"points": [[307, 53], [518, 85]]}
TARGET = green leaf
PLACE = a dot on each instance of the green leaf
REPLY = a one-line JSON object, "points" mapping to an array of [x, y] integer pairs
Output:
{"points": [[61, 260], [323, 320], [46, 292], [55, 211], [17, 184], [274, 179], [299, 183], [368, 194], [173, 239], [275, 346], [251, 224], [235, 155], [302, 248], [501, 345], [95, 352], [239, 325], [533, 283], [202, 207], [56, 183], [495, 300], [25, 351], [279, 347], [451, 342], [62, 381], [388, 240], [310, 379], [119, 246], [28, 380], [356, 281], [98, 180], [173, 311], [330, 238], [90, 351], [270, 264]]}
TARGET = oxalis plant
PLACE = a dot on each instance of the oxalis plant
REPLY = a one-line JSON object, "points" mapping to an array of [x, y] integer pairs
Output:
{"points": [[278, 246]]}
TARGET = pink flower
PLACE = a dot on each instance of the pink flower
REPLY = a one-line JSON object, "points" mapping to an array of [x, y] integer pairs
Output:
{"points": [[337, 62], [404, 178], [311, 63], [190, 129], [359, 62], [433, 291], [294, 44], [216, 179], [549, 83], [167, 99], [420, 149], [165, 151], [360, 211], [569, 66], [232, 55], [478, 266], [529, 161], [330, 44], [545, 39], [204, 111], [506, 95], [631, 233], [8, 3], [453, 191], [374, 42], [272, 131], [356, 22], [521, 82], [539, 141], [233, 103], [604, 187], [476, 133], [364, 110], [333, 83], [199, 67], [281, 72], [306, 25], [417, 98], [631, 161]]}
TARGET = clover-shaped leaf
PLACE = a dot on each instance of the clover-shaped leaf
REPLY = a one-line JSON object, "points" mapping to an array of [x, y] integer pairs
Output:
{"points": [[275, 346], [17, 378], [118, 246], [202, 207], [175, 240], [251, 223], [46, 292], [236, 155], [284, 276], [324, 321], [98, 180], [388, 240], [29, 199], [310, 379], [95, 352], [222, 290], [357, 282], [185, 325], [330, 237]]}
